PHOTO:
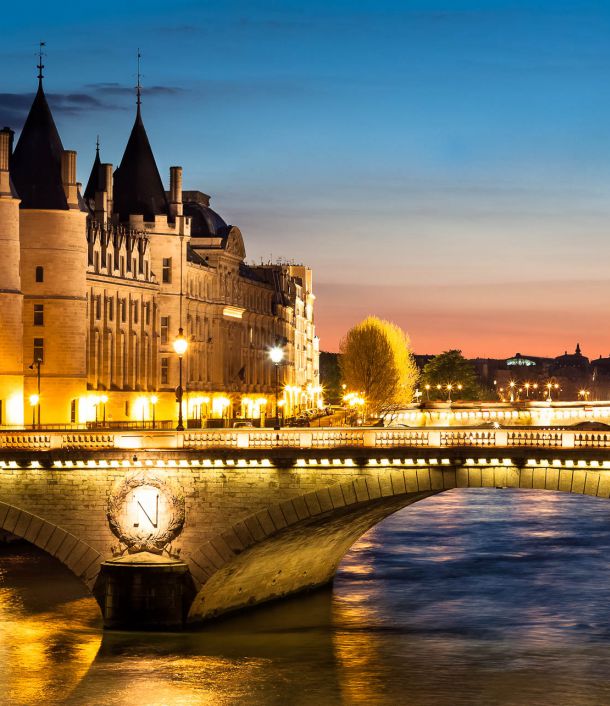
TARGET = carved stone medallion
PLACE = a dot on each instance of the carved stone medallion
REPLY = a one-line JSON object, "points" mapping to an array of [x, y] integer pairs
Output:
{"points": [[146, 512]]}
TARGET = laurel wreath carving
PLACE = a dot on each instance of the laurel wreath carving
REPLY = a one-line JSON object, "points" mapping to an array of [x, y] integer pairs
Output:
{"points": [[155, 542]]}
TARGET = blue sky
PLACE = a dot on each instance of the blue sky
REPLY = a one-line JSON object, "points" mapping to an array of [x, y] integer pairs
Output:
{"points": [[442, 164]]}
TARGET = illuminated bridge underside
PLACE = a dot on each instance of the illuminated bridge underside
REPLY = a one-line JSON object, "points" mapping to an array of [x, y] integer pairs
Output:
{"points": [[261, 524]]}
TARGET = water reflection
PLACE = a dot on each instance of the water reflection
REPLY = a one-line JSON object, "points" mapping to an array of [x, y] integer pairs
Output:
{"points": [[470, 597], [50, 632]]}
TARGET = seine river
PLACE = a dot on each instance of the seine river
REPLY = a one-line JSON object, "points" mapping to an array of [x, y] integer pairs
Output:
{"points": [[471, 597]]}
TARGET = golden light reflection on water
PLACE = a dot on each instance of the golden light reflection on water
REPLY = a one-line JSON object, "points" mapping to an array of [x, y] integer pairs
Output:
{"points": [[44, 656]]}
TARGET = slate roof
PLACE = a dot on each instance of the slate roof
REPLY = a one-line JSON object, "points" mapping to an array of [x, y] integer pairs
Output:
{"points": [[95, 179], [205, 222], [36, 162], [137, 185]]}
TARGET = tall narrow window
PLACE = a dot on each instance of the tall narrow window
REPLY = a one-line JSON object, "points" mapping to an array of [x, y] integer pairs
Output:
{"points": [[38, 314], [73, 412], [39, 350], [164, 371], [40, 274], [123, 310], [167, 269], [110, 309], [135, 312], [98, 307], [164, 329]]}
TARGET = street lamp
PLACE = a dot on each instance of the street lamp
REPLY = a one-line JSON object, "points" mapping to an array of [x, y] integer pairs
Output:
{"points": [[449, 388], [153, 401], [276, 355], [36, 364], [34, 401], [104, 400], [180, 345], [427, 387]]}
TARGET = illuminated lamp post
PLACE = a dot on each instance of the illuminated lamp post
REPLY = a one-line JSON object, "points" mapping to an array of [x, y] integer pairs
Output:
{"points": [[34, 401], [180, 345], [549, 387], [104, 400], [527, 389], [511, 384], [153, 401], [427, 388], [276, 355], [36, 364], [449, 388]]}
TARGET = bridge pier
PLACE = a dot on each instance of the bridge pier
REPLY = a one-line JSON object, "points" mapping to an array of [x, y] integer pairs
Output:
{"points": [[144, 592]]}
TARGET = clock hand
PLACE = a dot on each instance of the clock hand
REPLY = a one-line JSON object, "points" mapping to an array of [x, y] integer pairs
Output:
{"points": [[154, 524]]}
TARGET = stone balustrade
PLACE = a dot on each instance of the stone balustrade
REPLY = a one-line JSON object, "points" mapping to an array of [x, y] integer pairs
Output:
{"points": [[321, 438]]}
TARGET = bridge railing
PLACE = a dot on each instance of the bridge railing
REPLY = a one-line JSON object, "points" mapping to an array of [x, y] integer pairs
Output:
{"points": [[311, 438]]}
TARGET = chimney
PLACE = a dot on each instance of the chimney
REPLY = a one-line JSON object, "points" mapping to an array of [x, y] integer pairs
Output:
{"points": [[68, 177], [6, 149], [101, 206], [103, 197], [175, 191]]}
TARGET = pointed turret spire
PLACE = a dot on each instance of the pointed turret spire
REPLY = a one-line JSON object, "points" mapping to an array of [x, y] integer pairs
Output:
{"points": [[138, 189], [95, 182], [36, 162]]}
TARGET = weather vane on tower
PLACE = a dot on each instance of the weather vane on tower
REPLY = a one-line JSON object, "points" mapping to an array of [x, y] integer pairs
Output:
{"points": [[139, 87], [40, 65]]}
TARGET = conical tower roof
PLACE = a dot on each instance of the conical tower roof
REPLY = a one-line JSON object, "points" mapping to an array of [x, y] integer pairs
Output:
{"points": [[36, 162], [95, 182], [138, 189]]}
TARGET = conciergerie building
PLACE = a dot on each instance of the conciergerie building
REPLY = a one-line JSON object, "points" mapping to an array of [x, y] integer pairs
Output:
{"points": [[97, 285]]}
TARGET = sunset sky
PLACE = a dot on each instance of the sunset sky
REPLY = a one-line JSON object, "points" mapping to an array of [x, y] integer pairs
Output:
{"points": [[445, 165]]}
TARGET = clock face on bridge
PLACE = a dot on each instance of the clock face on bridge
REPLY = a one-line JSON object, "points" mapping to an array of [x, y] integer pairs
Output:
{"points": [[145, 512]]}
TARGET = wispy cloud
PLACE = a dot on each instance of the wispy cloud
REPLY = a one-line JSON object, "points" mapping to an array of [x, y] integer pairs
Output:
{"points": [[117, 89], [14, 107]]}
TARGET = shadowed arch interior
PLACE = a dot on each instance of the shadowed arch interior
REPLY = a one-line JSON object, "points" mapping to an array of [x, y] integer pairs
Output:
{"points": [[82, 560], [298, 544]]}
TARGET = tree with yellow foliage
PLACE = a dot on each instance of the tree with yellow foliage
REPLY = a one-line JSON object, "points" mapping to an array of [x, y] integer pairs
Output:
{"points": [[376, 361]]}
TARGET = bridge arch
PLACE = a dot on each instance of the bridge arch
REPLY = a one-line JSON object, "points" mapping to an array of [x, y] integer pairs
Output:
{"points": [[78, 556], [299, 543]]}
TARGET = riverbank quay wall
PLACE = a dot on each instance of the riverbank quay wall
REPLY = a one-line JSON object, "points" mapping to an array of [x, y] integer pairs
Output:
{"points": [[266, 514]]}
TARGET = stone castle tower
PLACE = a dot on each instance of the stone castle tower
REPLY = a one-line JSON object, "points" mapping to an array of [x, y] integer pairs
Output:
{"points": [[53, 264], [11, 297]]}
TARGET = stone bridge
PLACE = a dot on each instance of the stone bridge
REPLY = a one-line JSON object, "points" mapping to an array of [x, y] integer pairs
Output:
{"points": [[167, 528]]}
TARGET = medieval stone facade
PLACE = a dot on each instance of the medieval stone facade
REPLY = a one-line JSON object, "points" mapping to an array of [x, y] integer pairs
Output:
{"points": [[95, 287]]}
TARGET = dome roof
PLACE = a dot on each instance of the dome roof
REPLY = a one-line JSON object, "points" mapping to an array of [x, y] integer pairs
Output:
{"points": [[205, 222]]}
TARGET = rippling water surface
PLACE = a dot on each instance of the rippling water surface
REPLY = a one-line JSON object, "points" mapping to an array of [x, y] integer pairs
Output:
{"points": [[470, 597]]}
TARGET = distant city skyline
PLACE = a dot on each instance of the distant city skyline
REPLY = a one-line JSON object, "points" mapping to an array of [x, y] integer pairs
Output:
{"points": [[445, 166]]}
